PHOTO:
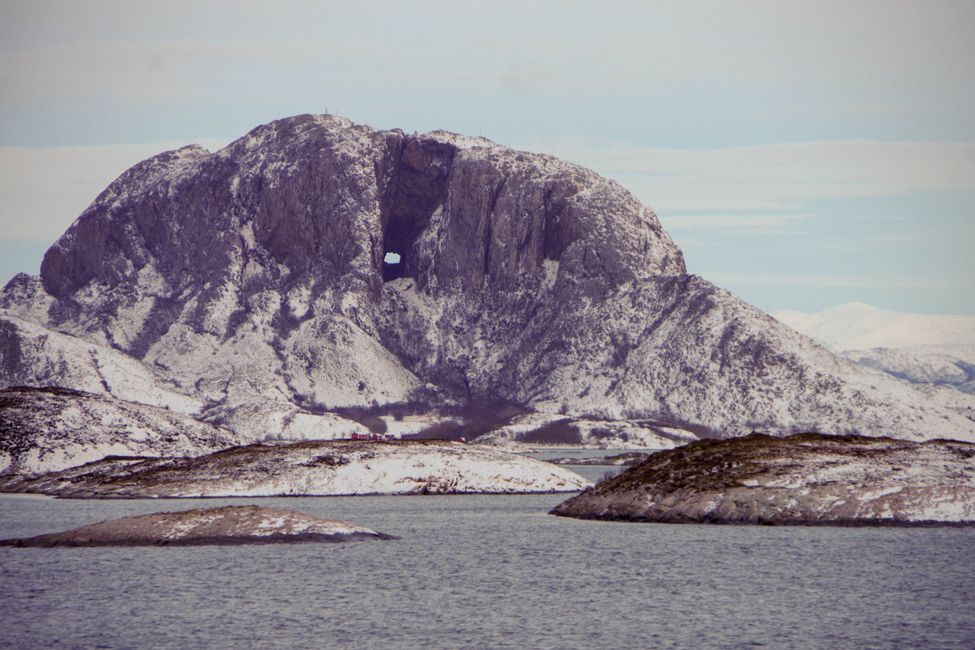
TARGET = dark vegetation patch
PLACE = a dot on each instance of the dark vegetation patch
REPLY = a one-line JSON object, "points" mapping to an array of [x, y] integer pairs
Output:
{"points": [[329, 460], [721, 464], [467, 421], [42, 390], [470, 421], [371, 416], [22, 407], [628, 458], [560, 432], [10, 355]]}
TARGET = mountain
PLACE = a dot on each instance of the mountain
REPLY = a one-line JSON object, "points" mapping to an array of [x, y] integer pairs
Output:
{"points": [[262, 281], [919, 348]]}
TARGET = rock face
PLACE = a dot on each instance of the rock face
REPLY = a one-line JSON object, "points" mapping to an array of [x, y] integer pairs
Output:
{"points": [[228, 525], [802, 479], [316, 468], [50, 429], [253, 282]]}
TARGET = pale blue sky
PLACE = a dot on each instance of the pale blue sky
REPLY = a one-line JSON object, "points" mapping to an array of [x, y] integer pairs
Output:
{"points": [[803, 154]]}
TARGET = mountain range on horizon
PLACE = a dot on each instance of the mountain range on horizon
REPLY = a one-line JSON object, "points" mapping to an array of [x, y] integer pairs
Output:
{"points": [[250, 288], [937, 350]]}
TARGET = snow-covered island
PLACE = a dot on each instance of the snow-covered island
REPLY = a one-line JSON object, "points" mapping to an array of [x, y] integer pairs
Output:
{"points": [[309, 468], [803, 479], [227, 525]]}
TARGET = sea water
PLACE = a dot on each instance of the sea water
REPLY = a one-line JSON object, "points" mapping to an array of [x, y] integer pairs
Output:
{"points": [[486, 572]]}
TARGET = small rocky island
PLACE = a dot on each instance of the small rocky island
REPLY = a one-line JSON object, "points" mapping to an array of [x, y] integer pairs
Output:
{"points": [[320, 468], [804, 479], [206, 526]]}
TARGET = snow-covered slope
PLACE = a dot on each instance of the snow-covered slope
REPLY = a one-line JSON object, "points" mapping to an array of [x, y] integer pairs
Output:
{"points": [[50, 429], [253, 280], [312, 468], [804, 479], [923, 349], [856, 326], [35, 355]]}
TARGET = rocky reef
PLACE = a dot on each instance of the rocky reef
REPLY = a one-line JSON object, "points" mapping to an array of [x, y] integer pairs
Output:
{"points": [[309, 468], [802, 479], [206, 526]]}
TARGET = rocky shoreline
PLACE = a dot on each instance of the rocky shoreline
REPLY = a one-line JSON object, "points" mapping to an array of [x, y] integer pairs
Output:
{"points": [[310, 468], [805, 479], [230, 525]]}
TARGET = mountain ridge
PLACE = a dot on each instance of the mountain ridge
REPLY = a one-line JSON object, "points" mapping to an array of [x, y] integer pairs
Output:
{"points": [[935, 350], [253, 281]]}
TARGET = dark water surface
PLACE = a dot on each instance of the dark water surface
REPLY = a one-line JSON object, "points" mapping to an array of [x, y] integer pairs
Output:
{"points": [[487, 571]]}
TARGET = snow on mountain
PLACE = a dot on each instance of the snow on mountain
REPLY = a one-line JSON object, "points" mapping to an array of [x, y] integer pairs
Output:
{"points": [[923, 349], [35, 355], [856, 326], [253, 279], [50, 429]]}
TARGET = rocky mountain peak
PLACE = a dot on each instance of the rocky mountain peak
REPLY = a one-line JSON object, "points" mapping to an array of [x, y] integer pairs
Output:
{"points": [[315, 264]]}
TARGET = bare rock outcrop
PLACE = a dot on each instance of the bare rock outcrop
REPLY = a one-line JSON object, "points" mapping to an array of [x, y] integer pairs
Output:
{"points": [[803, 479], [206, 526]]}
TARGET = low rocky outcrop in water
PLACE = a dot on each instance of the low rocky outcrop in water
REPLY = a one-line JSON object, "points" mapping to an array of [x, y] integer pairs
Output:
{"points": [[227, 525], [309, 468], [802, 479]]}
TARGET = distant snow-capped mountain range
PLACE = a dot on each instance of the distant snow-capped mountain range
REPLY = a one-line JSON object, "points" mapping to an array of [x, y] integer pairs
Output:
{"points": [[920, 348]]}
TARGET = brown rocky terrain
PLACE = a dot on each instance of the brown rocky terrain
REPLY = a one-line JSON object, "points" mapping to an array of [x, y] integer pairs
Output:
{"points": [[802, 479], [205, 526]]}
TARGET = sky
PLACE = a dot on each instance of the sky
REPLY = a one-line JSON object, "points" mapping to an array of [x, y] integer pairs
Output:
{"points": [[802, 154]]}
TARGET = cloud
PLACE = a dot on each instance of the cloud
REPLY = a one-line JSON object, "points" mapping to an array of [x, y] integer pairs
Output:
{"points": [[171, 72], [763, 224], [781, 179], [813, 280]]}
